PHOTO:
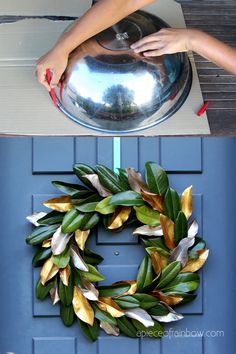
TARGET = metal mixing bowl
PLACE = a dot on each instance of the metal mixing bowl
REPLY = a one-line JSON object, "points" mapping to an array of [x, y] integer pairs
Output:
{"points": [[108, 87]]}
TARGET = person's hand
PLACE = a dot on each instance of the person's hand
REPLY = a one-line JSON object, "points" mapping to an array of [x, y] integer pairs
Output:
{"points": [[166, 41], [55, 60]]}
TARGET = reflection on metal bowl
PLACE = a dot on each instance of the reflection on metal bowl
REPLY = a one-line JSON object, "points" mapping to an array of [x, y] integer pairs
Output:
{"points": [[108, 87]]}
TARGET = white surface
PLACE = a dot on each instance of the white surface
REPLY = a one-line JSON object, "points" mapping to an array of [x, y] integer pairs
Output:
{"points": [[26, 108]]}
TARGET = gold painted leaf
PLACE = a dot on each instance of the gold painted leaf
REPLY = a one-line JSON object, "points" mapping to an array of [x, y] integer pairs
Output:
{"points": [[196, 264], [155, 200], [61, 204], [81, 238], [82, 308], [157, 263], [187, 202], [108, 305], [170, 300], [47, 243], [168, 231], [120, 216], [65, 274], [133, 286], [48, 271]]}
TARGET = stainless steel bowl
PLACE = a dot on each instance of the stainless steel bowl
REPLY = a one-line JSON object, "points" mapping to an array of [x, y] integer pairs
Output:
{"points": [[108, 87]]}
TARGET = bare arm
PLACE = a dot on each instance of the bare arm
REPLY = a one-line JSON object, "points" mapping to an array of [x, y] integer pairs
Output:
{"points": [[102, 15], [170, 40]]}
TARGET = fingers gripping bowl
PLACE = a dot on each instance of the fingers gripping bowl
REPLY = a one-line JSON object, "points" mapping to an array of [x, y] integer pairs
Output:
{"points": [[109, 88]]}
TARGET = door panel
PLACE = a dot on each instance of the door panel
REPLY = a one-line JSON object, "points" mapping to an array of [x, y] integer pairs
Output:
{"points": [[29, 165]]}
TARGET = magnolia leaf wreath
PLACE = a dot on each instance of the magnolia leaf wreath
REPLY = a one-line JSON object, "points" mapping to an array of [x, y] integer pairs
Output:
{"points": [[167, 274]]}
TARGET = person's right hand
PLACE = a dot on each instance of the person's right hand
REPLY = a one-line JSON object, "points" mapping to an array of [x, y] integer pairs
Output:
{"points": [[55, 60]]}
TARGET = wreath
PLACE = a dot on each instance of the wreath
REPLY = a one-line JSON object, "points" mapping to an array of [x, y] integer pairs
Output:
{"points": [[167, 274]]}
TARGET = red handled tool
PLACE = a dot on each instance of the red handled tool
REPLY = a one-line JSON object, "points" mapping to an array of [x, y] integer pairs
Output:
{"points": [[203, 109], [52, 92]]}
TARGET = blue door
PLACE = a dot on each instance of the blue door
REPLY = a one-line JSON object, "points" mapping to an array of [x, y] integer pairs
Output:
{"points": [[28, 165]]}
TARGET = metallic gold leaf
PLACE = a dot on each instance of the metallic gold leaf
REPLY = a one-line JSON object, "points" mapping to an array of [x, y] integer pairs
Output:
{"points": [[140, 315], [65, 275], [168, 231], [187, 202], [194, 265], [94, 179], [35, 217], [109, 328], [120, 216], [168, 299], [81, 238], [157, 263], [136, 181], [155, 200], [48, 271], [108, 305], [147, 230], [82, 308], [133, 286], [61, 204], [47, 243]]}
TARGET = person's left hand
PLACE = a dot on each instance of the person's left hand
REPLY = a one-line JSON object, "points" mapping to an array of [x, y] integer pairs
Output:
{"points": [[166, 41]]}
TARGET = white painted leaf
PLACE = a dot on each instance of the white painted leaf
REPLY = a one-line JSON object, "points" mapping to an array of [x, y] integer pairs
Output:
{"points": [[77, 259], [89, 291], [94, 179], [59, 241], [148, 231], [193, 229], [35, 217], [136, 181], [141, 316], [170, 317], [109, 328], [54, 295], [180, 253]]}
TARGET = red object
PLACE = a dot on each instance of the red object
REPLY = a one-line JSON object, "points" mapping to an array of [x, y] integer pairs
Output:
{"points": [[52, 92], [203, 109]]}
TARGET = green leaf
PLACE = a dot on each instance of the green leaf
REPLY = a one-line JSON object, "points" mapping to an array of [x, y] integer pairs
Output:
{"points": [[93, 275], [87, 205], [102, 315], [155, 331], [162, 252], [128, 198], [89, 221], [168, 274], [62, 259], [91, 332], [183, 282], [72, 221], [43, 290], [181, 227], [40, 234], [123, 176], [104, 207], [147, 216], [112, 290], [156, 244], [146, 301], [66, 292], [171, 204], [80, 170], [186, 297], [67, 315], [145, 275], [74, 190], [41, 255], [91, 257], [109, 179], [127, 302], [127, 327], [54, 217], [156, 178], [159, 310]]}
